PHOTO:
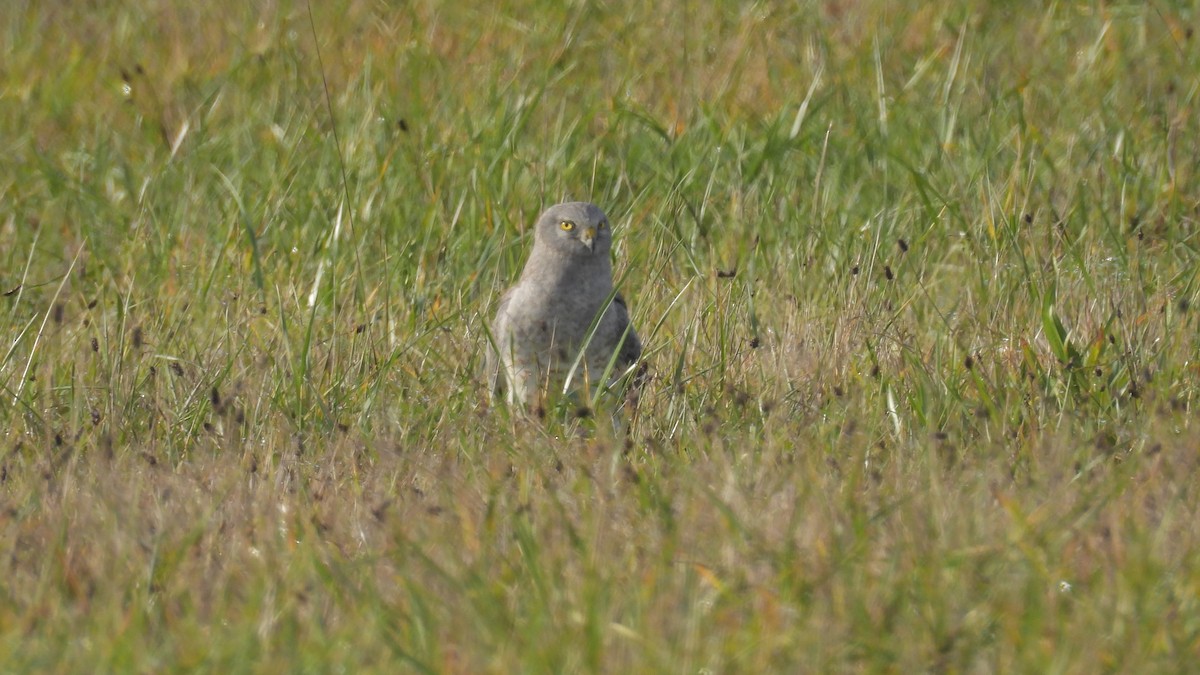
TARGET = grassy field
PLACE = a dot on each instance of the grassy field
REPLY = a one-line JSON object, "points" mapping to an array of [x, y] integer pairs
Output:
{"points": [[917, 282]]}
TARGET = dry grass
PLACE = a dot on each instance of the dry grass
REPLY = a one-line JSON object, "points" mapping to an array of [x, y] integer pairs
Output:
{"points": [[917, 283]]}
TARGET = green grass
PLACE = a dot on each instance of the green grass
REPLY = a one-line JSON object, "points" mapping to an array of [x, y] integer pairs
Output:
{"points": [[917, 282]]}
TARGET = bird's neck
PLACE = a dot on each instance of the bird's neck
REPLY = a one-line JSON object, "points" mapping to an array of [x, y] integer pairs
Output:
{"points": [[557, 269]]}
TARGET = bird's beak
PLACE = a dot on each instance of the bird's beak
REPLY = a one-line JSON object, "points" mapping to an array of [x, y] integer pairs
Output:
{"points": [[589, 238]]}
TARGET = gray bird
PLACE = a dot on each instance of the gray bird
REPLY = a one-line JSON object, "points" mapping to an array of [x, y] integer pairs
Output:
{"points": [[543, 322]]}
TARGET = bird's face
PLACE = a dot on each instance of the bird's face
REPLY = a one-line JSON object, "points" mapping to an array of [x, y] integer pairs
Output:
{"points": [[575, 229]]}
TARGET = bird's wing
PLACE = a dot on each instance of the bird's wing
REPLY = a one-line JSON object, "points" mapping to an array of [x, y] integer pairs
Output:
{"points": [[631, 348], [501, 335]]}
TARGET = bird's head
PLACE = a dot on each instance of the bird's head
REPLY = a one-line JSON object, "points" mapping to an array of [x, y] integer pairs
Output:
{"points": [[575, 229]]}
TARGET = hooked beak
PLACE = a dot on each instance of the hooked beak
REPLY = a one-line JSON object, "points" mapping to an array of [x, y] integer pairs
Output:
{"points": [[589, 238]]}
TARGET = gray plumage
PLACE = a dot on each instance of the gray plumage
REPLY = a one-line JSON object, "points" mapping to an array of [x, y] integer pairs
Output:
{"points": [[543, 321]]}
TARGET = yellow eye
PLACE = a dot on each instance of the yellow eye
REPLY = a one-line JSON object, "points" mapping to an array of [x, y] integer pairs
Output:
{"points": [[602, 225], [567, 225]]}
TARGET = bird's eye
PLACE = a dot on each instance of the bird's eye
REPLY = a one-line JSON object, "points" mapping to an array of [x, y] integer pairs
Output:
{"points": [[602, 225], [567, 225]]}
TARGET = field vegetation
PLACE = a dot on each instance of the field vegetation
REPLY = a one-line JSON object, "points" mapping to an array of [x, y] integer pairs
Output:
{"points": [[917, 283]]}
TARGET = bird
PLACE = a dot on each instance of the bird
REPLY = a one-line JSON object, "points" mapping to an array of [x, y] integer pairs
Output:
{"points": [[540, 335]]}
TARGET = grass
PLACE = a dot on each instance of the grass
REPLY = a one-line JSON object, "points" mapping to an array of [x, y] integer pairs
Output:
{"points": [[917, 283]]}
